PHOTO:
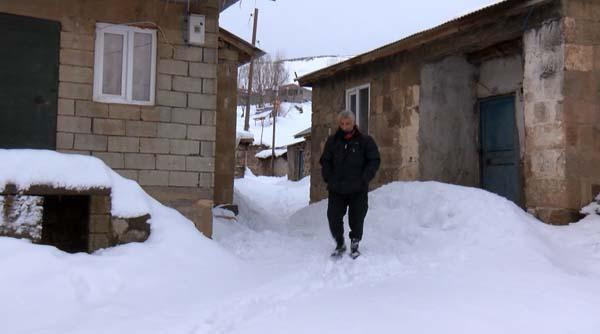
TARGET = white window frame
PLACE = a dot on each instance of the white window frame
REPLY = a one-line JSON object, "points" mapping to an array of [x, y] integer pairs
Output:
{"points": [[126, 96], [354, 91]]}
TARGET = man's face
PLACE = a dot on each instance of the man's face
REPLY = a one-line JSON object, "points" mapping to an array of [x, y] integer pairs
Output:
{"points": [[346, 124]]}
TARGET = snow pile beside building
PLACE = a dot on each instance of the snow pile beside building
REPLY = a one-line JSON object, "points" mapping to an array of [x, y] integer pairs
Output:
{"points": [[158, 286], [592, 208], [469, 259]]}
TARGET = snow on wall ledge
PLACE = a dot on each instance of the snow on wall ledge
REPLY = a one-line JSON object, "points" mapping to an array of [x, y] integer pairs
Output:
{"points": [[25, 168], [265, 154]]}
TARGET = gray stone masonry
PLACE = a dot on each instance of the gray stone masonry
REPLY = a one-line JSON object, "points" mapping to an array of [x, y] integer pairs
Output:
{"points": [[171, 99], [186, 116], [171, 130], [174, 67], [201, 132], [186, 84], [141, 129], [202, 101], [154, 145], [121, 111], [153, 178], [123, 144], [185, 147], [91, 109], [73, 124], [66, 107], [114, 127], [90, 142], [64, 140], [183, 179], [170, 162], [140, 161]]}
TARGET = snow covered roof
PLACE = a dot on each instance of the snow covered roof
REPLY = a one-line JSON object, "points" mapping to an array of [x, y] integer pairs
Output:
{"points": [[24, 168], [441, 31], [304, 133], [265, 154]]}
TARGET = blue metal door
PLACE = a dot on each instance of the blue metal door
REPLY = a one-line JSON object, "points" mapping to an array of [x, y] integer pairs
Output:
{"points": [[501, 172]]}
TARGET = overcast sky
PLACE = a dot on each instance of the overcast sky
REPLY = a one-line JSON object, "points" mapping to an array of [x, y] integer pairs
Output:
{"points": [[301, 28]]}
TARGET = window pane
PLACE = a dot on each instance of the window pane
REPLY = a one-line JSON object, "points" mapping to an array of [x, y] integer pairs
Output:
{"points": [[142, 63], [363, 115], [112, 72], [353, 103]]}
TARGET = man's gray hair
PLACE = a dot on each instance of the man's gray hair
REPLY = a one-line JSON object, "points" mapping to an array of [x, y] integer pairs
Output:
{"points": [[346, 114]]}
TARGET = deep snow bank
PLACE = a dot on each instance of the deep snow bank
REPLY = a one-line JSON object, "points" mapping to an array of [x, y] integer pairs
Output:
{"points": [[436, 258], [436, 224], [133, 288]]}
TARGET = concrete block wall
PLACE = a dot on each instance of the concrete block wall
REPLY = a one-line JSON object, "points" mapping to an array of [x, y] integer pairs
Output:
{"points": [[170, 144], [164, 147]]}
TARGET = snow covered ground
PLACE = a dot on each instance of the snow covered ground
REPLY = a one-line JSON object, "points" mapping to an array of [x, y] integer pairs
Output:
{"points": [[436, 259], [290, 122]]}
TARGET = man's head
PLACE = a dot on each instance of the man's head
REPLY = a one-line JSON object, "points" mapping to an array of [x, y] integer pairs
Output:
{"points": [[346, 120]]}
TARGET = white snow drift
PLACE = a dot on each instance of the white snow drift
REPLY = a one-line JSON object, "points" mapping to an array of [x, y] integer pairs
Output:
{"points": [[24, 168], [436, 259]]}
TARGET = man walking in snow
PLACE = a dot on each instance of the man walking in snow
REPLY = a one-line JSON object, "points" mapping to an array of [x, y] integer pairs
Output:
{"points": [[349, 162]]}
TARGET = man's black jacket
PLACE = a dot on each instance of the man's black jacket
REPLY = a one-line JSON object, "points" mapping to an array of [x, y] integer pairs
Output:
{"points": [[349, 165]]}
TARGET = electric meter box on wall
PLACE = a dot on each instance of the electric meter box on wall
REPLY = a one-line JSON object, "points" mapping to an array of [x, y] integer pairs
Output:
{"points": [[196, 29]]}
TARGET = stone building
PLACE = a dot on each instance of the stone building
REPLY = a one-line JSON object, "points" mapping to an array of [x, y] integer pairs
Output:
{"points": [[298, 156], [505, 98], [294, 93], [132, 82], [258, 159]]}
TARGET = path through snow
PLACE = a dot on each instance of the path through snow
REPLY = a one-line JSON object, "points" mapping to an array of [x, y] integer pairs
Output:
{"points": [[436, 258]]}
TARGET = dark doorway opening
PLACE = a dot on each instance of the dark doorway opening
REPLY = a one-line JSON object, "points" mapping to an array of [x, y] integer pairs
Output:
{"points": [[65, 224], [300, 158], [29, 59]]}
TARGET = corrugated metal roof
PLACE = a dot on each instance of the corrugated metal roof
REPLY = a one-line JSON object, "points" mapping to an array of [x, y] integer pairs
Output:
{"points": [[403, 44]]}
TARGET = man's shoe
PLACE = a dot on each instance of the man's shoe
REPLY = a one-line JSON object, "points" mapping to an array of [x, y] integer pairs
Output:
{"points": [[354, 253], [339, 251]]}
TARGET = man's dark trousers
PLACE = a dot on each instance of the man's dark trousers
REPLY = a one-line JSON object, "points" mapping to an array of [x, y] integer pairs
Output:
{"points": [[357, 206]]}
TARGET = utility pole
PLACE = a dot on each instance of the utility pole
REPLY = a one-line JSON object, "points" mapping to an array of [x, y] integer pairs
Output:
{"points": [[250, 73], [275, 113]]}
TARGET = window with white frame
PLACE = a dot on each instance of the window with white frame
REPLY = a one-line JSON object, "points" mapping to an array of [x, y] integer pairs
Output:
{"points": [[357, 101], [125, 64]]}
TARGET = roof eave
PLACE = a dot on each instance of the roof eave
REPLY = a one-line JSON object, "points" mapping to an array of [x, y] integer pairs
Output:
{"points": [[247, 50], [412, 41]]}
